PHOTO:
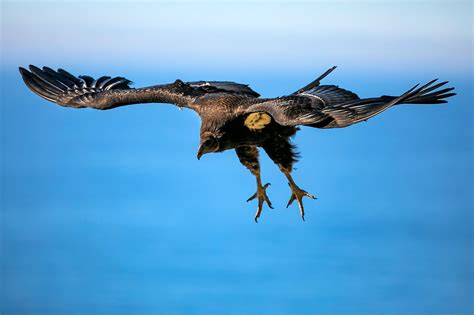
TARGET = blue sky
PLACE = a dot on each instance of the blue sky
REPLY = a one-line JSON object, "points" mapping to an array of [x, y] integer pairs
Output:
{"points": [[110, 211], [370, 35]]}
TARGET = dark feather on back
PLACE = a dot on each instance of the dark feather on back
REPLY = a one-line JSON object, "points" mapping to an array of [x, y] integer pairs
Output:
{"points": [[224, 86]]}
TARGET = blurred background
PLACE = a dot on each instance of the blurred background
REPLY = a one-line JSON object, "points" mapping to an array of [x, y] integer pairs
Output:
{"points": [[110, 212]]}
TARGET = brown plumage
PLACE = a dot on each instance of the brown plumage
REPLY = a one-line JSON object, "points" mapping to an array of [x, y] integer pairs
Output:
{"points": [[233, 116]]}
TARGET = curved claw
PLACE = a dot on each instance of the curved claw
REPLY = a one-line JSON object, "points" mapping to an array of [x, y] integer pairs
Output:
{"points": [[261, 195], [298, 194], [264, 187]]}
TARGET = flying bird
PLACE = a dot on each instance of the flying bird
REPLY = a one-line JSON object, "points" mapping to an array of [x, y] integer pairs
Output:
{"points": [[233, 116]]}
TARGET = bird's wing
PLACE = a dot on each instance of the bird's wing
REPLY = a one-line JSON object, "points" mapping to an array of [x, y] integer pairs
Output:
{"points": [[316, 82], [224, 86], [328, 106], [67, 90]]}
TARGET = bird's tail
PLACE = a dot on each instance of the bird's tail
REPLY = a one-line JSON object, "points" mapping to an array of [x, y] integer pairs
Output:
{"points": [[355, 111]]}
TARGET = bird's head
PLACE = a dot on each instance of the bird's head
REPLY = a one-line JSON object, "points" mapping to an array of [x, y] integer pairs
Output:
{"points": [[209, 143]]}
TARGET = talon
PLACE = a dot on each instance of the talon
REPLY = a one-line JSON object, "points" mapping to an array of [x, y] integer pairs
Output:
{"points": [[298, 194], [292, 198], [252, 197], [261, 195]]}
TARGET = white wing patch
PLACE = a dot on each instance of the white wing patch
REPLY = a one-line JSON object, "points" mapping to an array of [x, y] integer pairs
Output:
{"points": [[257, 121]]}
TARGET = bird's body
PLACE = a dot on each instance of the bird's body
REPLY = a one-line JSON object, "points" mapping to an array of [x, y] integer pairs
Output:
{"points": [[232, 115]]}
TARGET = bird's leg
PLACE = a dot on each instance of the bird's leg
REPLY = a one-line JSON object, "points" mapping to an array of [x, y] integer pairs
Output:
{"points": [[248, 156], [261, 195], [296, 193], [283, 153]]}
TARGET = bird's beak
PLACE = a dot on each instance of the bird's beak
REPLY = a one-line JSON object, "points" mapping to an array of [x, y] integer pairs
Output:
{"points": [[200, 152], [207, 146]]}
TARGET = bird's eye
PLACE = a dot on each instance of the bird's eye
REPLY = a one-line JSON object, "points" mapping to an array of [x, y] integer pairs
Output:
{"points": [[212, 142]]}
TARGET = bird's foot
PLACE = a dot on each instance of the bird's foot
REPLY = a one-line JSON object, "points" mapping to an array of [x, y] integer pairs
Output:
{"points": [[262, 197], [298, 194]]}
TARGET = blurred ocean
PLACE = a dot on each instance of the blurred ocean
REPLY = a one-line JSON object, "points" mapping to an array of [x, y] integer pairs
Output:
{"points": [[110, 212]]}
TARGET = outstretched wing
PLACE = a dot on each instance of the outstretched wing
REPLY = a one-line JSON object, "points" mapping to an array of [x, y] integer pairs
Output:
{"points": [[328, 106], [64, 89], [350, 112]]}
